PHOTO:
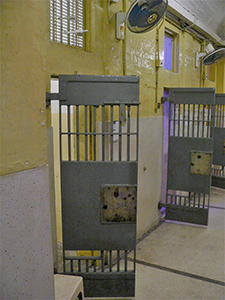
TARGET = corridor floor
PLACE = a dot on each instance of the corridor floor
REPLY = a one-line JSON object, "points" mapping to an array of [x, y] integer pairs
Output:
{"points": [[183, 261]]}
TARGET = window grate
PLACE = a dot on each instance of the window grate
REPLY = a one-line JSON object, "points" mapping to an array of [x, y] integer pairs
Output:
{"points": [[66, 16]]}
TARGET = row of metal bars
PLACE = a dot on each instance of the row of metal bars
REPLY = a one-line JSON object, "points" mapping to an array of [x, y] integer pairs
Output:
{"points": [[220, 116], [191, 199], [113, 261], [91, 134], [190, 120], [219, 171]]}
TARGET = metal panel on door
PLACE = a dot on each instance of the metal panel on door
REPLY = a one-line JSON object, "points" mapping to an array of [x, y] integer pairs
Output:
{"points": [[218, 176], [190, 148], [99, 157]]}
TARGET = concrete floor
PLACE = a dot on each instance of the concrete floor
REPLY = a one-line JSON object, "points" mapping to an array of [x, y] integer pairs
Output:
{"points": [[183, 261]]}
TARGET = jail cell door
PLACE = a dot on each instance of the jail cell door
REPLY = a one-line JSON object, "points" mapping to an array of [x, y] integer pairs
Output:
{"points": [[218, 176], [190, 146], [99, 156]]}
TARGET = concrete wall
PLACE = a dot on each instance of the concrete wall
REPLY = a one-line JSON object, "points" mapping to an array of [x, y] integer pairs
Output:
{"points": [[27, 262]]}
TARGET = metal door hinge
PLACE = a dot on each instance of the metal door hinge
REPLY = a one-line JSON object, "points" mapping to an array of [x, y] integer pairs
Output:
{"points": [[164, 99], [51, 96]]}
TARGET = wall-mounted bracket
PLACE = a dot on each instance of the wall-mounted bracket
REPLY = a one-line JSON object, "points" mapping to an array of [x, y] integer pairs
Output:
{"points": [[120, 25], [197, 58]]}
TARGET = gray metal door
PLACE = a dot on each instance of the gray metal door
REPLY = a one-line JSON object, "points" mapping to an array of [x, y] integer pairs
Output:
{"points": [[218, 177], [190, 146], [99, 159]]}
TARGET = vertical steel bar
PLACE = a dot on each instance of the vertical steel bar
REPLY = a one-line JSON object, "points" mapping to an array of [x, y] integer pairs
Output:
{"points": [[118, 260], [69, 132], [110, 260], [103, 133], [71, 266], [193, 121], [208, 119], [102, 260], [198, 121], [120, 136], [179, 120], [174, 119], [199, 199], [208, 200], [212, 121], [203, 203], [94, 133], [128, 132], [216, 115], [79, 265], [184, 112], [188, 127], [137, 134], [171, 198], [179, 200], [223, 117], [90, 133], [86, 130], [77, 132], [87, 268], [125, 261], [189, 194], [111, 136], [203, 120], [95, 265]]}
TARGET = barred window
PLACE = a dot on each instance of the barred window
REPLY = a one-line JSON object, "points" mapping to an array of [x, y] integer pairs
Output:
{"points": [[66, 22]]}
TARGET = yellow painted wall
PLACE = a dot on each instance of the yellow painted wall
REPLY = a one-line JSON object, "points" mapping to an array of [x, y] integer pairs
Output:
{"points": [[135, 56], [23, 69], [220, 76], [28, 59]]}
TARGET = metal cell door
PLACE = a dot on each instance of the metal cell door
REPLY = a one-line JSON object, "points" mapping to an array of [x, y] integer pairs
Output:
{"points": [[190, 146], [218, 176], [99, 159]]}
